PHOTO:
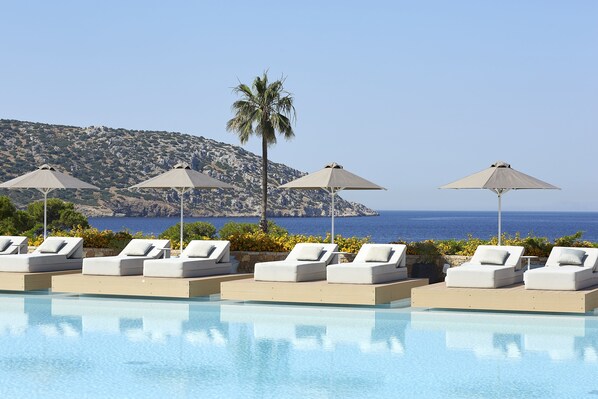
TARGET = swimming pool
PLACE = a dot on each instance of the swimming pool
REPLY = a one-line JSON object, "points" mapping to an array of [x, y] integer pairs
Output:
{"points": [[57, 346]]}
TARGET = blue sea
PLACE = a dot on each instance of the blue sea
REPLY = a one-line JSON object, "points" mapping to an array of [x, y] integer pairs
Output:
{"points": [[397, 225]]}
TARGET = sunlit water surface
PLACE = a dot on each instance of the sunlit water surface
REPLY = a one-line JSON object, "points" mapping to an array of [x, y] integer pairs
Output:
{"points": [[55, 346]]}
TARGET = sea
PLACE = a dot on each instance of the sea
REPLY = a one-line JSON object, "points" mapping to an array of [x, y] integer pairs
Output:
{"points": [[395, 225]]}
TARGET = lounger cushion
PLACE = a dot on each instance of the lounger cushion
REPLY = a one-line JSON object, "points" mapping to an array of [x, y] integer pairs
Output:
{"points": [[365, 273], [37, 262], [51, 246], [491, 256], [378, 254], [293, 271], [125, 265], [564, 278], [309, 253], [198, 249], [482, 276], [184, 268], [571, 257], [137, 248], [114, 265], [364, 270], [4, 243]]}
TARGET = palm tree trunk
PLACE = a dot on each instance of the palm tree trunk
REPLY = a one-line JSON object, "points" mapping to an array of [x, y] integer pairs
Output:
{"points": [[263, 220]]}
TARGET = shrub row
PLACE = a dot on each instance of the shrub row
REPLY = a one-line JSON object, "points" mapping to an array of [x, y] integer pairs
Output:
{"points": [[93, 238], [535, 246], [250, 238], [260, 242]]}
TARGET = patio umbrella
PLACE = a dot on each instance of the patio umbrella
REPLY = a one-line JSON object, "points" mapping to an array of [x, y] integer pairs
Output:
{"points": [[182, 178], [333, 178], [500, 178], [46, 179]]}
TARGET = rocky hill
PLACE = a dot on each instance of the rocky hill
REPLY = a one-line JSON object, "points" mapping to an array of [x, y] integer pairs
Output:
{"points": [[115, 159]]}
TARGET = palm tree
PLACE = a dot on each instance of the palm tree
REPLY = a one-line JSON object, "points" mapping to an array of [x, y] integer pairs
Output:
{"points": [[263, 110]]}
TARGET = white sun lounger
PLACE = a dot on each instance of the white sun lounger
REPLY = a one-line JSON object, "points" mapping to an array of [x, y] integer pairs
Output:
{"points": [[10, 245], [200, 258], [306, 262], [54, 254], [130, 261], [564, 273], [488, 268], [373, 264]]}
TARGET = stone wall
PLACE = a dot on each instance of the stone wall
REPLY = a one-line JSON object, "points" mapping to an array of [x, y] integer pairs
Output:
{"points": [[247, 260], [93, 252]]}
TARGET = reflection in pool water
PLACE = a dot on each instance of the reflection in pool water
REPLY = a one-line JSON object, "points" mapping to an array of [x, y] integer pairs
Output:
{"points": [[320, 328], [491, 335], [56, 346]]}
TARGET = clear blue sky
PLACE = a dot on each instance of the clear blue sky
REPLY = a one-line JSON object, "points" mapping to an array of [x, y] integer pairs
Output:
{"points": [[409, 94]]}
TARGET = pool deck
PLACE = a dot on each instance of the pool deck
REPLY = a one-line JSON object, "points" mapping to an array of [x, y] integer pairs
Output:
{"points": [[142, 286], [319, 291], [10, 281], [511, 298]]}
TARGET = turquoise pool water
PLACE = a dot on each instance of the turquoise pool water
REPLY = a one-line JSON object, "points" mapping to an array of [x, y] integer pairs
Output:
{"points": [[55, 346]]}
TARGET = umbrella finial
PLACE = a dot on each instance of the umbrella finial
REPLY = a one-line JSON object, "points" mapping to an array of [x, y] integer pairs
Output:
{"points": [[182, 165], [46, 167], [334, 165], [500, 164]]}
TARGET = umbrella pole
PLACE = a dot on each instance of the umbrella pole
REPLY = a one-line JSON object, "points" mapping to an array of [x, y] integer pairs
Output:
{"points": [[45, 213], [332, 211], [499, 217], [182, 192], [45, 192]]}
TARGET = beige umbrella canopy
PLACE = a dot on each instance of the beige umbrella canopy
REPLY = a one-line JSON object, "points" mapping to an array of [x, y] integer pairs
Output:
{"points": [[500, 178], [182, 178], [46, 179], [332, 178]]}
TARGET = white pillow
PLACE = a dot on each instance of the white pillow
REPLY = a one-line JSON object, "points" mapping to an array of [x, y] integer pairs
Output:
{"points": [[137, 248], [489, 256], [571, 257], [51, 246], [310, 252], [378, 254], [4, 243], [199, 249]]}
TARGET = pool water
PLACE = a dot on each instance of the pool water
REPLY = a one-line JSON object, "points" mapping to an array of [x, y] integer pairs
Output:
{"points": [[57, 346]]}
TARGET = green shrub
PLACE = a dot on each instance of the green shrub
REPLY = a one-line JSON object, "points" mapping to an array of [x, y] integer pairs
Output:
{"points": [[446, 247], [234, 228], [348, 244], [258, 241], [13, 221], [60, 215], [574, 240], [7, 209], [427, 251], [92, 237], [191, 231]]}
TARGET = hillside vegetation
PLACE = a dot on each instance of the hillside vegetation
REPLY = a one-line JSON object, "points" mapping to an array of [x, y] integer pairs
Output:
{"points": [[115, 159]]}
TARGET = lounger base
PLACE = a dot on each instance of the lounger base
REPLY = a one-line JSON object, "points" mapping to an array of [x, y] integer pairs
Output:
{"points": [[319, 291], [142, 286], [10, 281], [510, 298]]}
